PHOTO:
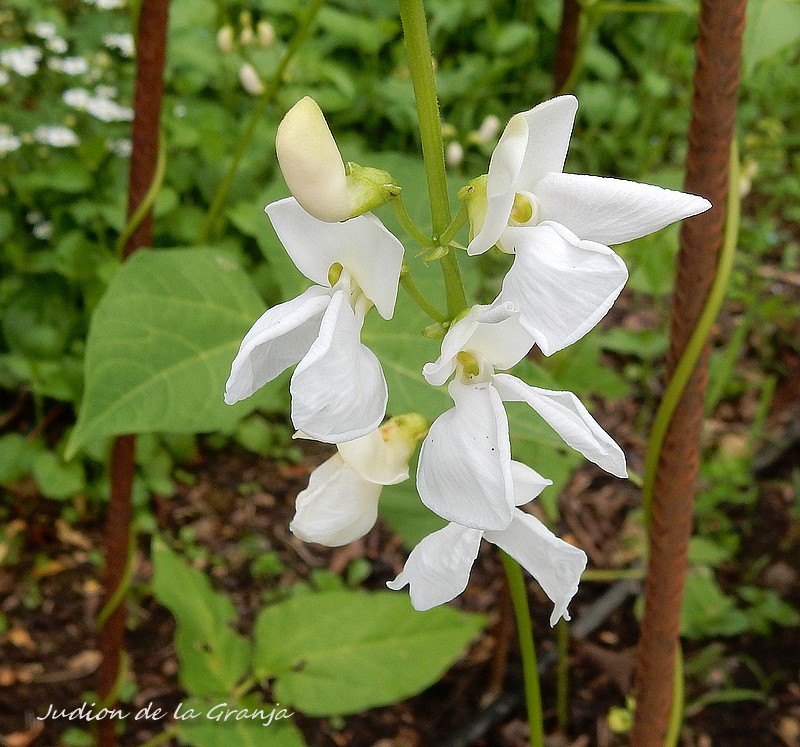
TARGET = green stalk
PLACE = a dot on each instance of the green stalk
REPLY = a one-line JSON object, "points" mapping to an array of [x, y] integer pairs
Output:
{"points": [[455, 226], [416, 295], [676, 712], [270, 89], [530, 672], [420, 63], [408, 225], [698, 339], [562, 675]]}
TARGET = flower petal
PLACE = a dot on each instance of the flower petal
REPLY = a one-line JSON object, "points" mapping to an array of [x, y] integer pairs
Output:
{"points": [[464, 472], [492, 332], [533, 143], [555, 564], [438, 568], [280, 338], [375, 459], [567, 416], [363, 245], [528, 483], [338, 389], [611, 211], [561, 285], [337, 507]]}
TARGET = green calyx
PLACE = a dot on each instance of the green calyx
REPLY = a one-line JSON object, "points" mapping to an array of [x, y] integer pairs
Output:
{"points": [[368, 188], [473, 197]]}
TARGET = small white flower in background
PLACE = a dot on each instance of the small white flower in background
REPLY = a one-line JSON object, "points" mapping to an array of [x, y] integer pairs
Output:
{"points": [[250, 80], [266, 34], [122, 147], [340, 504], [487, 131], [55, 136], [225, 39], [465, 468], [77, 98], [564, 278], [3, 77], [9, 142], [454, 154], [438, 568], [44, 29], [69, 65], [109, 4], [338, 388], [122, 42], [57, 45], [108, 111], [43, 230], [22, 60]]}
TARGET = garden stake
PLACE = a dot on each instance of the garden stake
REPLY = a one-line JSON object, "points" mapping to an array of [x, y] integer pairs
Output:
{"points": [[150, 50], [567, 44], [711, 133]]}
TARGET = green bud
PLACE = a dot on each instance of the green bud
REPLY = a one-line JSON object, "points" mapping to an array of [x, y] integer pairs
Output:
{"points": [[368, 188], [473, 195], [434, 331]]}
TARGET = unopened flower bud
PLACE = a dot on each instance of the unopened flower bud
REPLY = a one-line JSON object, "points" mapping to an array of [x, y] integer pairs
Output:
{"points": [[246, 36], [315, 173], [250, 80], [488, 130], [266, 33], [225, 39]]}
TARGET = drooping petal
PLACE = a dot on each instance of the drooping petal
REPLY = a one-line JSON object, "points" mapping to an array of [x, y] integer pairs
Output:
{"points": [[464, 472], [375, 459], [528, 483], [533, 143], [567, 416], [611, 211], [337, 507], [363, 245], [311, 163], [555, 564], [338, 389], [561, 285], [279, 339], [438, 568], [492, 332]]}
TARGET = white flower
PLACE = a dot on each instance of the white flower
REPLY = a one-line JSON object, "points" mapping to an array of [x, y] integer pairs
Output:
{"points": [[454, 154], [8, 142], [44, 29], [465, 473], [487, 131], [564, 278], [107, 110], [250, 80], [22, 60], [225, 42], [338, 388], [340, 503], [266, 33], [78, 98], [123, 42], [55, 136], [438, 568], [69, 65], [57, 44]]}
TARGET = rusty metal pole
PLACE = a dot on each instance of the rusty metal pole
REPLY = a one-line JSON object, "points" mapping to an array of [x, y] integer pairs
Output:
{"points": [[150, 51], [711, 132], [566, 44]]}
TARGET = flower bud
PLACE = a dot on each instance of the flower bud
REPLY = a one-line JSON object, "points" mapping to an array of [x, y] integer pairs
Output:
{"points": [[454, 154], [315, 173], [246, 36], [225, 39], [266, 33], [473, 195], [250, 80], [488, 130]]}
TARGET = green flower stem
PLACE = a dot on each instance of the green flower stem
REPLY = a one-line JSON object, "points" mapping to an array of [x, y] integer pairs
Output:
{"points": [[416, 295], [420, 63], [606, 8], [408, 225], [562, 675], [530, 672], [698, 339], [676, 712], [270, 89], [455, 226], [607, 576], [149, 198]]}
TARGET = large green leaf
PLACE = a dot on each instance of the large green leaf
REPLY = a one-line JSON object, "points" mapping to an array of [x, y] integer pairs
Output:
{"points": [[342, 652], [772, 25], [161, 344], [213, 657]]}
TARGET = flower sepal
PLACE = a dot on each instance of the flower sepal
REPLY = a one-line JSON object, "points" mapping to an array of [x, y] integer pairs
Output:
{"points": [[368, 188]]}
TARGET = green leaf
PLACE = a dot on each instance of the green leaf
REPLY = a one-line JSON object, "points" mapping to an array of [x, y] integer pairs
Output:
{"points": [[57, 479], [213, 657], [161, 344], [772, 25], [707, 611], [249, 723], [345, 651]]}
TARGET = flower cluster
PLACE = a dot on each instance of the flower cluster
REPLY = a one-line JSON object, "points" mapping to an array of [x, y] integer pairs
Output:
{"points": [[563, 280]]}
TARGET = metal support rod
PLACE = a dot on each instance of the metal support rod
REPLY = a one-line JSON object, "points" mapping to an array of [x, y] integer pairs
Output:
{"points": [[711, 132], [150, 51]]}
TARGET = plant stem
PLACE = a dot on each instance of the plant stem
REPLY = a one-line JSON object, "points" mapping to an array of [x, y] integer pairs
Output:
{"points": [[420, 63], [530, 673], [562, 675], [415, 294], [270, 89], [408, 225], [455, 226]]}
